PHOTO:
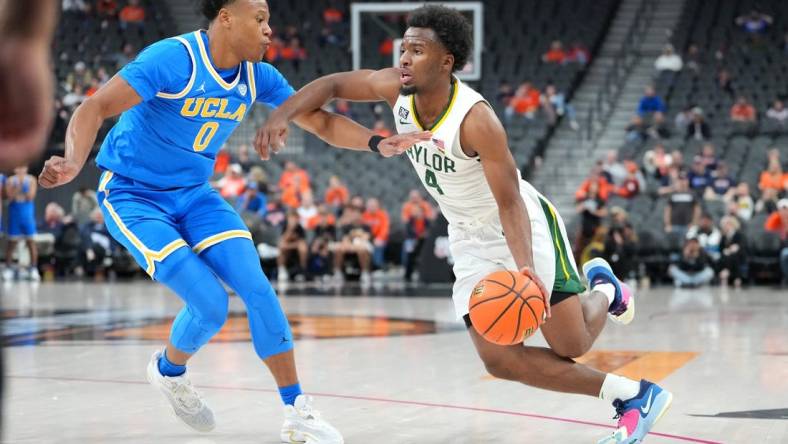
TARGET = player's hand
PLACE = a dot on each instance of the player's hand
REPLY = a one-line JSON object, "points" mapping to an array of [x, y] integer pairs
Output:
{"points": [[529, 272], [58, 171], [272, 136], [398, 144]]}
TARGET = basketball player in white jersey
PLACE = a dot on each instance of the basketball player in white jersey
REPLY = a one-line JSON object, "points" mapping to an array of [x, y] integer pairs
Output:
{"points": [[496, 220]]}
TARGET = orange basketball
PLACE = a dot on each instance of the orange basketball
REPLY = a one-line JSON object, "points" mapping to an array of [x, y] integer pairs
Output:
{"points": [[506, 307]]}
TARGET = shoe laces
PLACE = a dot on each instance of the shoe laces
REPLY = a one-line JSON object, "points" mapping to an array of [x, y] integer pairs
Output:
{"points": [[619, 405], [307, 412], [186, 395]]}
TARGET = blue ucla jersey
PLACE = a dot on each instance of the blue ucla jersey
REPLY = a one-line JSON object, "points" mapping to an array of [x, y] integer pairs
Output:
{"points": [[188, 112]]}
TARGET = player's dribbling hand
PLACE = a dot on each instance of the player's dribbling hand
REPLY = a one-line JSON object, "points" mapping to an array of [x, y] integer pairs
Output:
{"points": [[58, 171], [398, 144], [271, 137], [529, 272]]}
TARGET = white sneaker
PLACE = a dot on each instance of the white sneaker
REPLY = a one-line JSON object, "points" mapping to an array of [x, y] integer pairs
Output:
{"points": [[339, 277], [187, 404], [282, 275], [8, 274], [304, 425], [34, 276], [366, 279]]}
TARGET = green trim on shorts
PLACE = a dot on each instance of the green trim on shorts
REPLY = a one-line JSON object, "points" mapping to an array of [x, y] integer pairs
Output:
{"points": [[566, 279]]}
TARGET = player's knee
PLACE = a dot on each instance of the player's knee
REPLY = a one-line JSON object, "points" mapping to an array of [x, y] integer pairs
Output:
{"points": [[572, 349], [498, 366]]}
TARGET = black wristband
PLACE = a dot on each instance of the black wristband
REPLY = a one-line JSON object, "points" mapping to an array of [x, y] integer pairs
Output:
{"points": [[373, 143]]}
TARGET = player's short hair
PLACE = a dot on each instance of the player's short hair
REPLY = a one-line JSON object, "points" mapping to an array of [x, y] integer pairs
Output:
{"points": [[210, 8], [452, 28]]}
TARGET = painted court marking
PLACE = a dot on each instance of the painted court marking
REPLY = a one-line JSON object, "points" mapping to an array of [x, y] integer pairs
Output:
{"points": [[375, 399]]}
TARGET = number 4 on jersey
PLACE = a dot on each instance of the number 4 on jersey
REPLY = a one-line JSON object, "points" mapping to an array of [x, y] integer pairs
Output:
{"points": [[432, 181]]}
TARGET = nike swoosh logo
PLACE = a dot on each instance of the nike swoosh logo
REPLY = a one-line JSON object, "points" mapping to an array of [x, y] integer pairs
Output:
{"points": [[646, 408], [404, 123]]}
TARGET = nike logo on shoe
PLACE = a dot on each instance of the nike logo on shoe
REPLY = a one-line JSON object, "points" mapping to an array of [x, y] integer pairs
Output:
{"points": [[646, 408]]}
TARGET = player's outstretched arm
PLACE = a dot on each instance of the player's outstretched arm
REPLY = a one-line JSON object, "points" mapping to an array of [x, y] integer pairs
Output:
{"points": [[112, 99], [305, 108], [483, 133]]}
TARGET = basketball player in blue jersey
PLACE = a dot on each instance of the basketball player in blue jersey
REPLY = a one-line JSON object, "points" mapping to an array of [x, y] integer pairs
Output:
{"points": [[496, 219], [21, 192], [180, 100]]}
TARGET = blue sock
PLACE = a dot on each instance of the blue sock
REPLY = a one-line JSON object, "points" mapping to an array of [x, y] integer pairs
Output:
{"points": [[167, 368], [290, 393]]}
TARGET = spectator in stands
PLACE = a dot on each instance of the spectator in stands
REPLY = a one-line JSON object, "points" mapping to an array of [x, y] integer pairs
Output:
{"points": [[233, 183], [578, 54], [658, 129], [678, 161], [337, 195], [416, 228], [242, 158], [381, 129], [777, 222], [357, 201], [767, 202], [107, 8], [613, 169], [307, 212], [126, 55], [377, 219], [524, 103], [252, 202], [595, 246], [291, 243], [725, 83], [774, 178], [773, 155], [668, 61], [257, 176], [505, 94], [293, 183], [555, 106], [668, 183], [743, 115], [132, 14], [416, 200], [324, 237], [621, 244], [342, 107], [633, 182], [591, 208], [733, 256], [97, 245], [742, 202], [682, 210], [595, 177], [650, 103], [656, 162], [636, 130], [83, 202], [777, 116], [707, 235], [708, 156], [275, 214], [293, 51], [722, 186], [81, 7], [356, 239], [274, 51], [555, 54], [683, 119], [755, 22], [698, 128], [332, 15], [699, 178], [693, 268], [693, 60], [74, 97]]}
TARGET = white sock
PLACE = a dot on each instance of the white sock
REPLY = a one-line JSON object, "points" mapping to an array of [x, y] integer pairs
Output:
{"points": [[608, 290], [618, 387]]}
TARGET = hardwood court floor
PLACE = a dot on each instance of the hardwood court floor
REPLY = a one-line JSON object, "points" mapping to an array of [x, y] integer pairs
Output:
{"points": [[385, 368]]}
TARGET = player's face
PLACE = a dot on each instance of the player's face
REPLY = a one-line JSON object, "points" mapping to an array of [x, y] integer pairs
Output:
{"points": [[422, 60], [250, 30]]}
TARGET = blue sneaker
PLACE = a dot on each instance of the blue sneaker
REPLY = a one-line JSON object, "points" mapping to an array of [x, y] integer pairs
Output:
{"points": [[637, 416], [622, 310]]}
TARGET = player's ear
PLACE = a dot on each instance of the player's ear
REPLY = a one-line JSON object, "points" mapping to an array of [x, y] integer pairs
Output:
{"points": [[448, 62]]}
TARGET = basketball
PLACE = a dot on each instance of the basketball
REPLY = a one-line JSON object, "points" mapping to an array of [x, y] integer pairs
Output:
{"points": [[506, 307]]}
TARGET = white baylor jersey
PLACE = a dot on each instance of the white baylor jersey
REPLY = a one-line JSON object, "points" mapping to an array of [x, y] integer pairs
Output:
{"points": [[456, 181]]}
